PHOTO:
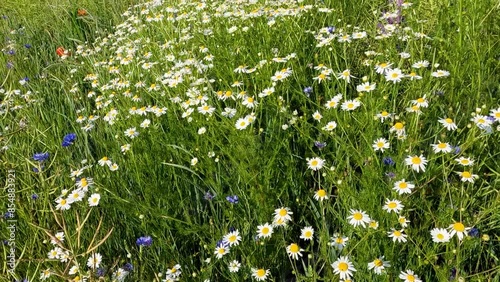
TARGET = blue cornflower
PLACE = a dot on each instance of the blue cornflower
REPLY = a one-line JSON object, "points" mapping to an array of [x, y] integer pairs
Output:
{"points": [[221, 243], [319, 144], [209, 196], [101, 272], [8, 215], [34, 196], [439, 92], [390, 174], [456, 150], [308, 90], [453, 273], [37, 170], [232, 199], [144, 241], [330, 29], [68, 139], [9, 65], [128, 267], [388, 161], [11, 52], [40, 156], [27, 45], [473, 232]]}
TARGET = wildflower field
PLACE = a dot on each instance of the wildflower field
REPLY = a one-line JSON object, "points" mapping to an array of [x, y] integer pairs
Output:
{"points": [[250, 140]]}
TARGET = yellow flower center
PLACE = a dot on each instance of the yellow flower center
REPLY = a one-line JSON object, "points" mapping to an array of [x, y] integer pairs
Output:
{"points": [[440, 236], [63, 202], [314, 163], [250, 100], [403, 185], [232, 238], [441, 145], [378, 263], [173, 270], [397, 233], [380, 144], [221, 251], [283, 212], [321, 193], [294, 248], [357, 216], [459, 227], [265, 230], [420, 100], [392, 205], [398, 126], [350, 105], [343, 266], [308, 234], [410, 277], [466, 174], [395, 75], [339, 240], [384, 114], [481, 120], [416, 160], [261, 272], [383, 65]]}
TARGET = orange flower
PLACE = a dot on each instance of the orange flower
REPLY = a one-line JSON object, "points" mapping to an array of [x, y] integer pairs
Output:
{"points": [[60, 51], [81, 12]]}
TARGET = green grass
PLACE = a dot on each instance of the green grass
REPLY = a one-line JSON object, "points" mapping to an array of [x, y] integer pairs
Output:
{"points": [[161, 184]]}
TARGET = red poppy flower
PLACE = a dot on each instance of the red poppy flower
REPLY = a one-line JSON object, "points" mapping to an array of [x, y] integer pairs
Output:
{"points": [[60, 51]]}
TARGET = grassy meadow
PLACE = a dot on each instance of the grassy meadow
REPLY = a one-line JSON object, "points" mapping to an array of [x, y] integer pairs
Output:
{"points": [[290, 140]]}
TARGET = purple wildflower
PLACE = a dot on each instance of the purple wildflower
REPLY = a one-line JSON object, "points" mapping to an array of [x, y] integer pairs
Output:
{"points": [[68, 139], [144, 241], [319, 144], [388, 161], [232, 199], [40, 157]]}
